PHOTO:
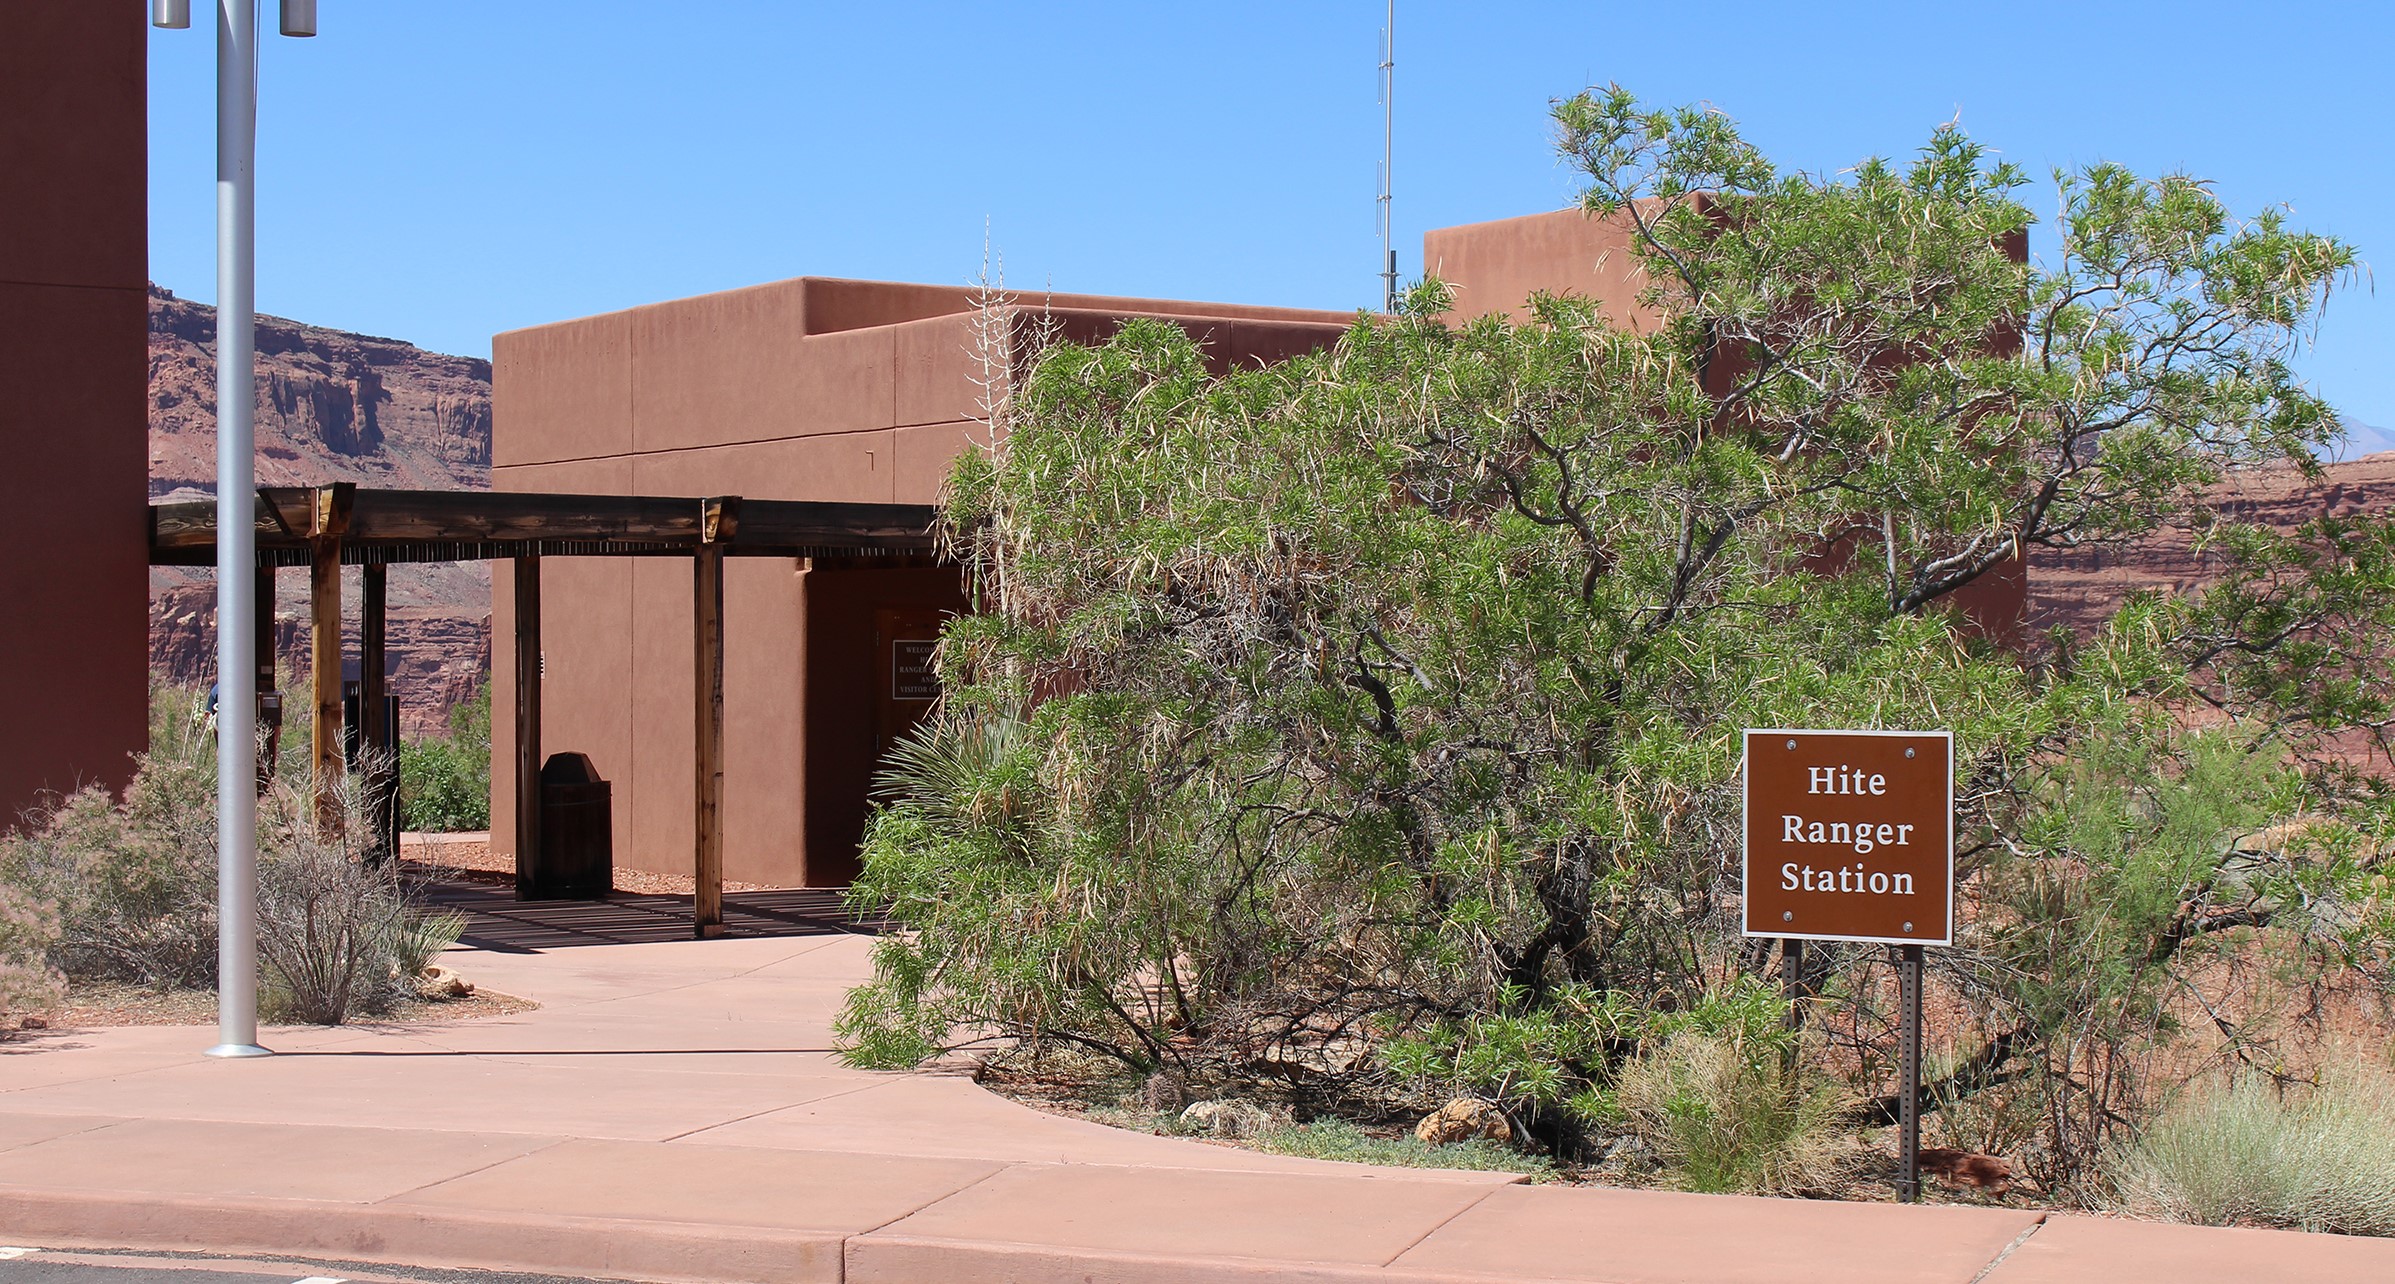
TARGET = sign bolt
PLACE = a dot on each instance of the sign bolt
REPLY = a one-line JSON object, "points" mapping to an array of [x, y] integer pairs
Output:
{"points": [[1787, 916], [1908, 753], [1792, 744], [1907, 927]]}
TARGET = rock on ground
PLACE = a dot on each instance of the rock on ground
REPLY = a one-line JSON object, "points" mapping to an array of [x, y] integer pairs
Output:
{"points": [[1228, 1118], [1464, 1119]]}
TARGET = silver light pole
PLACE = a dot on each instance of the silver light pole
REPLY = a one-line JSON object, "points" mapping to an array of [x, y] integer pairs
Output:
{"points": [[236, 532], [236, 490]]}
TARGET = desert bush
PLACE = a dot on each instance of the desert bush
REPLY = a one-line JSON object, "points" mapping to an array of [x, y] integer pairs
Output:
{"points": [[2259, 1153], [1380, 708], [130, 886], [337, 935], [422, 937], [124, 890], [445, 781], [1711, 1096], [27, 933]]}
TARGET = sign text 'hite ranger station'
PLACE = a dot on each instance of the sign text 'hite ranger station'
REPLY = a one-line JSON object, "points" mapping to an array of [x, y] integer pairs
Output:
{"points": [[1850, 835]]}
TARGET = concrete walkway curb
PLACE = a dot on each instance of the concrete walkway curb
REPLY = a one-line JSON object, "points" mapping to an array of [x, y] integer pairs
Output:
{"points": [[438, 1238], [2052, 1249], [708, 1254]]}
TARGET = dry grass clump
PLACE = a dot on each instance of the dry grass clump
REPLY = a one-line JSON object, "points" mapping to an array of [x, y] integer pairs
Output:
{"points": [[1716, 1110], [2256, 1154], [337, 935]]}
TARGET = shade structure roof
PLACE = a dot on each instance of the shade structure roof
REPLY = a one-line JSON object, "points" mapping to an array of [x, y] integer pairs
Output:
{"points": [[379, 527]]}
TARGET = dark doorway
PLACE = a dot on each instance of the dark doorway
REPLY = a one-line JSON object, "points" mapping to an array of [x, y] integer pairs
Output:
{"points": [[868, 681]]}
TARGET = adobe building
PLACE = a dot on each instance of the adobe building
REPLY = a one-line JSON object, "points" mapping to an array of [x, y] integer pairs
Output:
{"points": [[816, 389], [74, 373], [809, 389], [1495, 267]]}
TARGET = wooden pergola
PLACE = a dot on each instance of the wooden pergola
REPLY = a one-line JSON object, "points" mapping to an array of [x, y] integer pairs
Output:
{"points": [[327, 527]]}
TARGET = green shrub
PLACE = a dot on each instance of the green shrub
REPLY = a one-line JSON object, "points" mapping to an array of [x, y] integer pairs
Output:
{"points": [[97, 889], [445, 782], [422, 937], [2254, 1154], [27, 932], [130, 886], [1709, 1095]]}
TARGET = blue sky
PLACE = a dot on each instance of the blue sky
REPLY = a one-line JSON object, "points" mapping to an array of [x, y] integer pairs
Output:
{"points": [[441, 170]]}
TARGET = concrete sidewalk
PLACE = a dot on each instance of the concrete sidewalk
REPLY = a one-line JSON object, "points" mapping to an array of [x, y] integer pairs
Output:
{"points": [[673, 1112]]}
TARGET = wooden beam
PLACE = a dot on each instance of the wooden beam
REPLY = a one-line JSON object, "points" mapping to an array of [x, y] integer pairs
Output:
{"points": [[782, 523], [719, 519], [329, 517], [285, 515], [381, 770], [184, 531], [526, 756], [514, 515]]}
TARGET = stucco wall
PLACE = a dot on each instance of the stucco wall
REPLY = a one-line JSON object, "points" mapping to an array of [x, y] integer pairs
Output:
{"points": [[74, 579], [807, 389]]}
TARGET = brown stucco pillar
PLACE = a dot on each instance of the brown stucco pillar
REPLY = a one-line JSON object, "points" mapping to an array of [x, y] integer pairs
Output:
{"points": [[74, 369]]}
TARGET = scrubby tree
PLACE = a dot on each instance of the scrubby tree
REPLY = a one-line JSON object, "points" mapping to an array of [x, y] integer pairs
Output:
{"points": [[1368, 723]]}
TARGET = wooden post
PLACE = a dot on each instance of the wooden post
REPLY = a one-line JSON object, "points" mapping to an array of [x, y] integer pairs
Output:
{"points": [[527, 755], [719, 516], [330, 517], [380, 771], [270, 700]]}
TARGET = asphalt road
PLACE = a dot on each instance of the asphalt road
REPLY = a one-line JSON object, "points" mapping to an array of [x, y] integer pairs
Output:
{"points": [[20, 1265]]}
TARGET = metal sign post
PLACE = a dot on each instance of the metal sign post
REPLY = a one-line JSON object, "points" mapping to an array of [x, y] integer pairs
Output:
{"points": [[1908, 1036], [1849, 836]]}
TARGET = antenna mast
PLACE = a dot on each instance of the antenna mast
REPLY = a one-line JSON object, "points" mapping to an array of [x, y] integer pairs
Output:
{"points": [[1388, 137]]}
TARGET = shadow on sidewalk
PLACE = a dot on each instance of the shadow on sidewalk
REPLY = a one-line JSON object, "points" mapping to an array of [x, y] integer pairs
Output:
{"points": [[496, 920]]}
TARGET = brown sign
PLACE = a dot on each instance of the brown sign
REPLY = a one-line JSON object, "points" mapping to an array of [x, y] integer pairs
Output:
{"points": [[1850, 835]]}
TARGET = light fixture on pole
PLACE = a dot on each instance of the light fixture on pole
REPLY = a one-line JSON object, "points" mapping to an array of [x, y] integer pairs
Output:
{"points": [[236, 490]]}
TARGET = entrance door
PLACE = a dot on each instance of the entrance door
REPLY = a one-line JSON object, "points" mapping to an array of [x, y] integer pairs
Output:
{"points": [[903, 640]]}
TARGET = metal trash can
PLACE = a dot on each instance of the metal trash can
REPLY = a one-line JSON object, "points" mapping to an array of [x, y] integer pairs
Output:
{"points": [[577, 851]]}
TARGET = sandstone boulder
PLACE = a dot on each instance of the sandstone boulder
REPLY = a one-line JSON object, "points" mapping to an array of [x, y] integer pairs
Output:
{"points": [[1464, 1119], [440, 982]]}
